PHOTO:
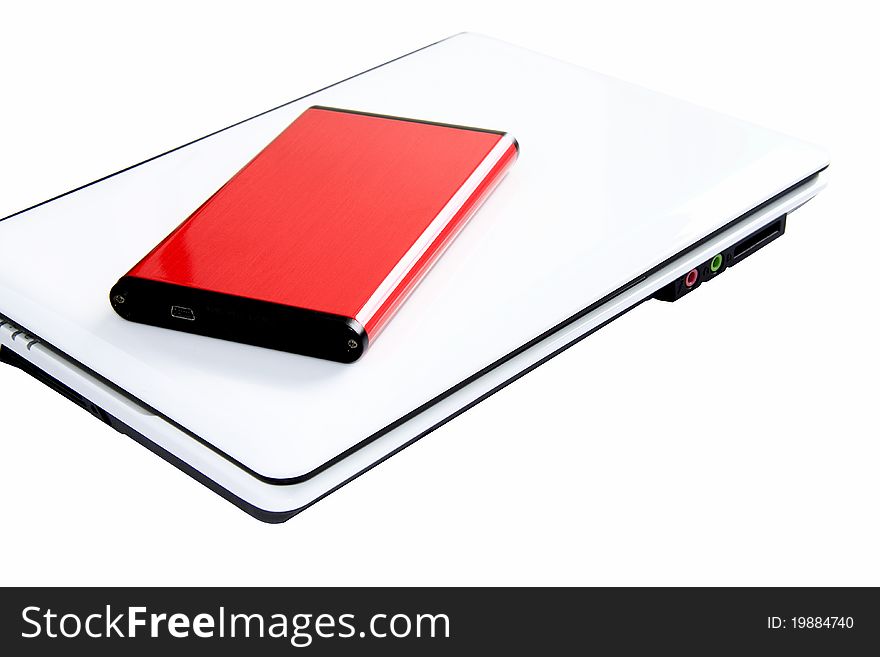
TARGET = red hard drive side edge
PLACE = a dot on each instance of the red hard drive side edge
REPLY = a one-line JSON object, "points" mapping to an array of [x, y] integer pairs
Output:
{"points": [[374, 325]]}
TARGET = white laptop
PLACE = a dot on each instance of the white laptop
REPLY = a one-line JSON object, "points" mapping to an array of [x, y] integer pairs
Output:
{"points": [[620, 194]]}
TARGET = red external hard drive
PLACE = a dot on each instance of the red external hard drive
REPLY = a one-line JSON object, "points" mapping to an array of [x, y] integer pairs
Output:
{"points": [[316, 242]]}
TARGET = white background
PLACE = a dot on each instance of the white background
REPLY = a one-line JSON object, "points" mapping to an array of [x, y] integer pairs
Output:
{"points": [[730, 438]]}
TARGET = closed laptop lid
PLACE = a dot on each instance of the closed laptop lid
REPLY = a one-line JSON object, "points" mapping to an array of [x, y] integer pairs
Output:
{"points": [[612, 180]]}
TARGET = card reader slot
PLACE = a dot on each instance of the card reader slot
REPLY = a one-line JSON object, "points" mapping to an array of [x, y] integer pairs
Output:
{"points": [[759, 239]]}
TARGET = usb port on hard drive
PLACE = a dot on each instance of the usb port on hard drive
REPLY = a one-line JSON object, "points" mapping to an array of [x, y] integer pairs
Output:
{"points": [[181, 312]]}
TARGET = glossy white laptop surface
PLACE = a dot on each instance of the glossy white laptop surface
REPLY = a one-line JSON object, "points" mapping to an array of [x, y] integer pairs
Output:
{"points": [[617, 191]]}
